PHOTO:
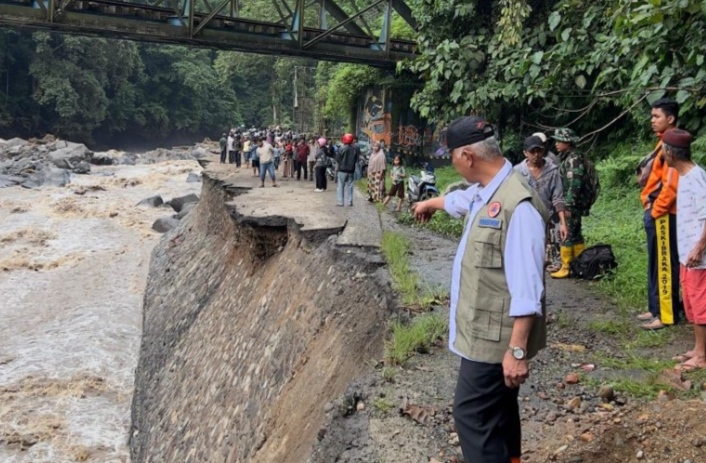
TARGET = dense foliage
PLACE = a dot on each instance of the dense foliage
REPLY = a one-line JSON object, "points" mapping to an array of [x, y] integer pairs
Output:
{"points": [[97, 89], [543, 63]]}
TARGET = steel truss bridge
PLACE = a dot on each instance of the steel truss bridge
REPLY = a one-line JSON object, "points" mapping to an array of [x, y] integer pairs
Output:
{"points": [[219, 24]]}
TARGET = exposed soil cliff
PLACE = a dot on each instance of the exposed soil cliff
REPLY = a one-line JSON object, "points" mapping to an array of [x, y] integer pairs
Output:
{"points": [[250, 327]]}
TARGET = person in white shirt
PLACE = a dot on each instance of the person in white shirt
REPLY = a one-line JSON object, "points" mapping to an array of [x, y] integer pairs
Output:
{"points": [[691, 239], [497, 318], [266, 157]]}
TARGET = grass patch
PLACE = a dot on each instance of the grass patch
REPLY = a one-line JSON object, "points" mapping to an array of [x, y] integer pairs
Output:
{"points": [[620, 327], [383, 404], [389, 374], [650, 339], [395, 248], [635, 362], [416, 337], [616, 219]]}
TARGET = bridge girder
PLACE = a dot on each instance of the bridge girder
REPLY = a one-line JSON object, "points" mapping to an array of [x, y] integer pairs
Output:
{"points": [[182, 24]]}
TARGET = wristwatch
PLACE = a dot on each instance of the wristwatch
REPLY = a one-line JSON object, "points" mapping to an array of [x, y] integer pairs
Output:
{"points": [[518, 352]]}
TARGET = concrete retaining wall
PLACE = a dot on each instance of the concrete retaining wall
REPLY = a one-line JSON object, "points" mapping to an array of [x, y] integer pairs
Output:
{"points": [[248, 331]]}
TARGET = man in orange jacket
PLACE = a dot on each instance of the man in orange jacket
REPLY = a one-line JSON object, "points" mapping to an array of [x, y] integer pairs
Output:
{"points": [[659, 198]]}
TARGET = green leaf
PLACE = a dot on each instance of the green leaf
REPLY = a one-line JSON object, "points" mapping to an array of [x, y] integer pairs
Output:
{"points": [[682, 96], [654, 96], [565, 34], [534, 71], [554, 20], [580, 81], [537, 57]]}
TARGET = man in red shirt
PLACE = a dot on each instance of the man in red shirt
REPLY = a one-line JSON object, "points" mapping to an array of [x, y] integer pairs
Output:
{"points": [[302, 153]]}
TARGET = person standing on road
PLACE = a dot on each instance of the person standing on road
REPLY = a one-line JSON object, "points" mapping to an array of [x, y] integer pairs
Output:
{"points": [[247, 145], [659, 198], [278, 154], [347, 160], [320, 167], [266, 159], [254, 159], [497, 290], [223, 143], [229, 148], [311, 158], [573, 175], [397, 176], [288, 168], [543, 175], [237, 147], [691, 239], [358, 174], [302, 153], [376, 174]]}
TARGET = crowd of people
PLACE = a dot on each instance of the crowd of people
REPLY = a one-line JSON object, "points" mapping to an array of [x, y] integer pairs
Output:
{"points": [[497, 321], [308, 157]]}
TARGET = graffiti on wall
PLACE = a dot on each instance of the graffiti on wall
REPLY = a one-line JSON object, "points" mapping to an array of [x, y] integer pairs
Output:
{"points": [[412, 135], [409, 136], [374, 118]]}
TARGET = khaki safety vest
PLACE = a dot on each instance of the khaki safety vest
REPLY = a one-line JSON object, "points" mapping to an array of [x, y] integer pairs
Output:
{"points": [[483, 324]]}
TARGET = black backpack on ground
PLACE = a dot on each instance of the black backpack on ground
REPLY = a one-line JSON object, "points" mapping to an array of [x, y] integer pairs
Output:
{"points": [[594, 263]]}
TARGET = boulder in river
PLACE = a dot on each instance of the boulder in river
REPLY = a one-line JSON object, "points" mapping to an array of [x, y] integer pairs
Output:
{"points": [[70, 157], [152, 201], [178, 203], [10, 180], [49, 175], [164, 224], [16, 142], [193, 177]]}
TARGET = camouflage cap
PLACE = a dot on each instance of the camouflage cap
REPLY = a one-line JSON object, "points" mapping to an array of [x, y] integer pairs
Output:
{"points": [[566, 135]]}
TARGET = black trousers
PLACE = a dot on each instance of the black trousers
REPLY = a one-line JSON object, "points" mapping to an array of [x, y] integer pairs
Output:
{"points": [[238, 160], [231, 157], [662, 268], [320, 177], [298, 166], [223, 155], [487, 414]]}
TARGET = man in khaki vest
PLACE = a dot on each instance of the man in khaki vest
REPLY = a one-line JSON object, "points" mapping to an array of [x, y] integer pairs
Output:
{"points": [[497, 290]]}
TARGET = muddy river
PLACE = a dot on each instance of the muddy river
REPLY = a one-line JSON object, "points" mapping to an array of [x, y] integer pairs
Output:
{"points": [[73, 265]]}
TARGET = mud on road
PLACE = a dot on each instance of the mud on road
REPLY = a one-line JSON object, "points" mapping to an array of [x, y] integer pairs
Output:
{"points": [[405, 413]]}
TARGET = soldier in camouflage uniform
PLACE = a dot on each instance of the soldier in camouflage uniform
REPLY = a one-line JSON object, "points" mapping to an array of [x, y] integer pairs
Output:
{"points": [[572, 171]]}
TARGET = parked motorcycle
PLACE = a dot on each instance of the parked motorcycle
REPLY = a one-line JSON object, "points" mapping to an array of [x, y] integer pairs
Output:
{"points": [[422, 187], [331, 169], [364, 162]]}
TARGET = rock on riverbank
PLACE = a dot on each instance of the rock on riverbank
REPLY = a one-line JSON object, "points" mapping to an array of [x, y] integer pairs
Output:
{"points": [[49, 161]]}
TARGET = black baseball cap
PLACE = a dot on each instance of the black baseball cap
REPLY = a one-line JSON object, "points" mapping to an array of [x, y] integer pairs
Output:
{"points": [[467, 131], [532, 142]]}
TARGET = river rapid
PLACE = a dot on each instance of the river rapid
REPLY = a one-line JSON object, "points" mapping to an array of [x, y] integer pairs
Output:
{"points": [[73, 265]]}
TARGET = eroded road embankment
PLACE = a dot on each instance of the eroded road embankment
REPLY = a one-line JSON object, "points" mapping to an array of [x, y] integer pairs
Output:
{"points": [[256, 313]]}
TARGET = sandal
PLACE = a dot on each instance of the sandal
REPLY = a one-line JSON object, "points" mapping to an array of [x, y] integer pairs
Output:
{"points": [[681, 358], [645, 317], [686, 368], [655, 324], [553, 268]]}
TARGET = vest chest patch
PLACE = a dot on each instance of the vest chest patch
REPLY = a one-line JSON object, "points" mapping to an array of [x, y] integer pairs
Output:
{"points": [[487, 222]]}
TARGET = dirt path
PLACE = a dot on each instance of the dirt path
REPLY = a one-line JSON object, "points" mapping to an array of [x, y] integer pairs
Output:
{"points": [[561, 421], [74, 263]]}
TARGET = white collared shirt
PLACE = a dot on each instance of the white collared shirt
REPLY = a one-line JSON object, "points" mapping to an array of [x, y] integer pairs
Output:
{"points": [[523, 259]]}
